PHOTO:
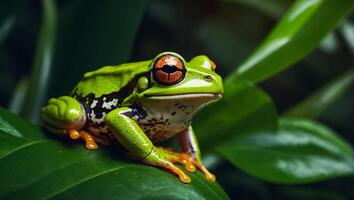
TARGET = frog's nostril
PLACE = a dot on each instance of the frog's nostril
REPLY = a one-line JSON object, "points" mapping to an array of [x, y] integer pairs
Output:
{"points": [[208, 78]]}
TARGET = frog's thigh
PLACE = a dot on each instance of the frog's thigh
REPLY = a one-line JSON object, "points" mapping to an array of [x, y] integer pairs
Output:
{"points": [[128, 132]]}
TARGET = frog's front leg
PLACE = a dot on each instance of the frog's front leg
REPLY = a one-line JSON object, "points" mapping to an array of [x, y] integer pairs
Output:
{"points": [[190, 147], [130, 135], [65, 115]]}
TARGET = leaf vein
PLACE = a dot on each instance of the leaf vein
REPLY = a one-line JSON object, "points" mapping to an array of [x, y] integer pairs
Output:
{"points": [[22, 147], [87, 179]]}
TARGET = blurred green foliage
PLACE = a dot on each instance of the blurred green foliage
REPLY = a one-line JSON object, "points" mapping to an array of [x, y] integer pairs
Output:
{"points": [[46, 46]]}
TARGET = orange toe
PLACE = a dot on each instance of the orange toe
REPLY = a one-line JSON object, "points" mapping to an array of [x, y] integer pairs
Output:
{"points": [[89, 140], [74, 134], [207, 174], [182, 176], [190, 167]]}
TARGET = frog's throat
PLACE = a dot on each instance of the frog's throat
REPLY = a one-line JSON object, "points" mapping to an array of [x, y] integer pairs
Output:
{"points": [[211, 96]]}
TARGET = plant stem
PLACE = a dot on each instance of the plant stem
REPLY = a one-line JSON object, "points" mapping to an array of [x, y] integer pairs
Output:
{"points": [[42, 63], [18, 97]]}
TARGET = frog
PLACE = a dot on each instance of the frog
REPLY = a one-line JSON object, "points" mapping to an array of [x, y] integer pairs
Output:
{"points": [[140, 105]]}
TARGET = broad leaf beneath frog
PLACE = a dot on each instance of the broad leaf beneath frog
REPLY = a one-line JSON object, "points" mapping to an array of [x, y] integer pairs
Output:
{"points": [[36, 166]]}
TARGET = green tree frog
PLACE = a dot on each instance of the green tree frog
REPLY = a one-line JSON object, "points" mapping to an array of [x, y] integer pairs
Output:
{"points": [[141, 104]]}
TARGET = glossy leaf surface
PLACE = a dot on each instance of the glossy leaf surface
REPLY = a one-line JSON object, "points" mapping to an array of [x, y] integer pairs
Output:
{"points": [[271, 8], [301, 151], [36, 166], [298, 33], [243, 105]]}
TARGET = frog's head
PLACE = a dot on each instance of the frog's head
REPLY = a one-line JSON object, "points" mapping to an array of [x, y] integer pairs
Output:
{"points": [[172, 77]]}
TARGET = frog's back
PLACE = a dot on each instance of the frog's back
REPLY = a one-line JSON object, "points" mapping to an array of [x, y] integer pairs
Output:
{"points": [[103, 90], [109, 78]]}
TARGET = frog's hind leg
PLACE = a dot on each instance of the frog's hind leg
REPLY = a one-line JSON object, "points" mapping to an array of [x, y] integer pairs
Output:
{"points": [[65, 115]]}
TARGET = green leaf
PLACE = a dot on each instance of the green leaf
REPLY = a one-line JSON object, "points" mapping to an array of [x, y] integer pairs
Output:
{"points": [[302, 151], [299, 32], [272, 8], [315, 104], [347, 30], [36, 166], [243, 105], [310, 194], [329, 43]]}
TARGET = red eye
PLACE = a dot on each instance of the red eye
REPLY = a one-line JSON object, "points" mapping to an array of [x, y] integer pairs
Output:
{"points": [[168, 70]]}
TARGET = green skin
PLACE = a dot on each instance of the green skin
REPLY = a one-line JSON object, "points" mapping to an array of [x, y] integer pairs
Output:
{"points": [[145, 113]]}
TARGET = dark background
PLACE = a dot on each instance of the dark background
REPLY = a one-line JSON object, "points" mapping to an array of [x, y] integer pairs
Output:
{"points": [[226, 31]]}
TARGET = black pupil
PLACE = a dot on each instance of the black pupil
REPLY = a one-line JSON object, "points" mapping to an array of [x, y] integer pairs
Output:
{"points": [[169, 68]]}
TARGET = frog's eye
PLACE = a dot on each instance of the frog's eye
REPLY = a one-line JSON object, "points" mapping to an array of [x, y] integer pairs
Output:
{"points": [[168, 70]]}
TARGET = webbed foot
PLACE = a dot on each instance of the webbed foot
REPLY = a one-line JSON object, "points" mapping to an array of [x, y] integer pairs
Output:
{"points": [[191, 164], [166, 158]]}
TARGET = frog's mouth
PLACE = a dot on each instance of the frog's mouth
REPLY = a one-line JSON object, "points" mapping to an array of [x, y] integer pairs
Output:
{"points": [[193, 102], [209, 96]]}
